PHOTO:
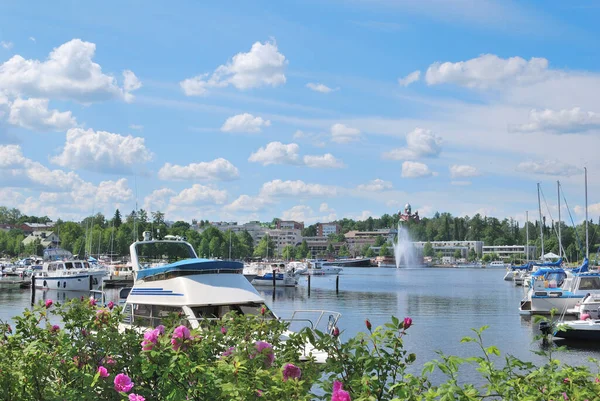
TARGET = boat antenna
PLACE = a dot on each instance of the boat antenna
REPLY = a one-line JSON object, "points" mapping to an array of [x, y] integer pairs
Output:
{"points": [[541, 223], [527, 235], [559, 234], [230, 231], [587, 246]]}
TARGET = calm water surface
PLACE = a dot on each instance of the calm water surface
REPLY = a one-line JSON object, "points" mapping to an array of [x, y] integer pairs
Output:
{"points": [[443, 303]]}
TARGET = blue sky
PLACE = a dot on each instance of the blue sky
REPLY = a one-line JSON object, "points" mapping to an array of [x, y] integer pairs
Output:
{"points": [[306, 110]]}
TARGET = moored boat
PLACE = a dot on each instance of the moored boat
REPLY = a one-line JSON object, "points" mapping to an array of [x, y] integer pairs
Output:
{"points": [[67, 274]]}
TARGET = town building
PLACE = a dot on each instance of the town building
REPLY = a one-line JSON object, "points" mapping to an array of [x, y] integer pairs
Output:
{"points": [[48, 239], [326, 229], [357, 239], [449, 248], [281, 238], [318, 245], [506, 252], [289, 224]]}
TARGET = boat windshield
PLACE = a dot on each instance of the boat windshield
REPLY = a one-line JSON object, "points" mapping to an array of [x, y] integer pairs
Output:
{"points": [[157, 253], [218, 311]]}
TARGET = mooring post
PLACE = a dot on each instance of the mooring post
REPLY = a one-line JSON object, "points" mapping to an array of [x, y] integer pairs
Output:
{"points": [[309, 285], [273, 278], [32, 289], [337, 284]]}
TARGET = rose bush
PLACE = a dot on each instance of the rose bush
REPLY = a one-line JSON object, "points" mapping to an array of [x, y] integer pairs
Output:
{"points": [[88, 357]]}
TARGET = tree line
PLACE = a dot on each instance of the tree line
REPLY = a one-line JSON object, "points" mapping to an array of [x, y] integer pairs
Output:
{"points": [[112, 236]]}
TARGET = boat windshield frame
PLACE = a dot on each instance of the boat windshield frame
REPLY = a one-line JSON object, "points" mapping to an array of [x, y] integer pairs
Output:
{"points": [[153, 253]]}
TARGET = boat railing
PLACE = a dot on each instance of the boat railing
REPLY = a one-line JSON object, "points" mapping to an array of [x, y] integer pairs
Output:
{"points": [[314, 319]]}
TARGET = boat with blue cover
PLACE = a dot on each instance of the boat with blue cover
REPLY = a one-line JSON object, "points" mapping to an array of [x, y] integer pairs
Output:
{"points": [[171, 279], [561, 289]]}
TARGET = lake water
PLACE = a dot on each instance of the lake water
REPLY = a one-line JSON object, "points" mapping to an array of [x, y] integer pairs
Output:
{"points": [[443, 303]]}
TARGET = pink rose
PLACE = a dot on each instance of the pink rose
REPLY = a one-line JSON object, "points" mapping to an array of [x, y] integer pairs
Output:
{"points": [[407, 323], [123, 383], [291, 371], [136, 397], [103, 372], [49, 303]]}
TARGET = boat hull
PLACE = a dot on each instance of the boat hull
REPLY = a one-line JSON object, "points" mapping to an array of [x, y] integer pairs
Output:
{"points": [[588, 330], [79, 282]]}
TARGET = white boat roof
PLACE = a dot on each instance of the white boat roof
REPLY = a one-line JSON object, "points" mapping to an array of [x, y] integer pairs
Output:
{"points": [[195, 290]]}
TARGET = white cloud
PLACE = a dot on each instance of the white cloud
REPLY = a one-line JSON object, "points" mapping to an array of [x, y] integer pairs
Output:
{"points": [[262, 65], [136, 127], [298, 188], [276, 153], [130, 84], [324, 208], [325, 161], [6, 45], [415, 170], [199, 194], [102, 151], [460, 183], [111, 191], [487, 71], [548, 167], [245, 203], [317, 140], [419, 143], [377, 185], [69, 73], [244, 123], [319, 87], [307, 215], [343, 134], [562, 121], [410, 78], [11, 156], [32, 39], [218, 169], [33, 114], [457, 171], [158, 199]]}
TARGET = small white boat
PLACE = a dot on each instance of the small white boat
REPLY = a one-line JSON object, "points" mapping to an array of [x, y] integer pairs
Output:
{"points": [[498, 264], [277, 278], [67, 275]]}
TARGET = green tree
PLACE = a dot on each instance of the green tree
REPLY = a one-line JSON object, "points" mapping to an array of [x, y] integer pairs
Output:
{"points": [[472, 254], [379, 240], [428, 249], [330, 250], [116, 221], [289, 252], [384, 250], [457, 254], [265, 247], [302, 252], [369, 254], [344, 251]]}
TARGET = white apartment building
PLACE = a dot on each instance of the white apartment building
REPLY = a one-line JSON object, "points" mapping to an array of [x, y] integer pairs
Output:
{"points": [[505, 252], [449, 247], [281, 238]]}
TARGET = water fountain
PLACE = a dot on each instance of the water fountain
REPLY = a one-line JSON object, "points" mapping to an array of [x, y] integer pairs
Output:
{"points": [[404, 252]]}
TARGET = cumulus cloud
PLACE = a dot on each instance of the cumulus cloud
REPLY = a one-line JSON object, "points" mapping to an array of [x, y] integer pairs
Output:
{"points": [[263, 65], [307, 215], [298, 188], [68, 73], [111, 191], [325, 161], [376, 185], [324, 208], [199, 194], [419, 143], [319, 87], [561, 121], [487, 71], [276, 153], [33, 114], [219, 169], [415, 170], [158, 199], [245, 203], [11, 156], [136, 127], [343, 134], [244, 123], [410, 78], [458, 171], [102, 151], [548, 167]]}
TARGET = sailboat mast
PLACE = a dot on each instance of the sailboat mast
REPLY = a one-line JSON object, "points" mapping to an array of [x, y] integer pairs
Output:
{"points": [[559, 236], [527, 235], [541, 222], [587, 245]]}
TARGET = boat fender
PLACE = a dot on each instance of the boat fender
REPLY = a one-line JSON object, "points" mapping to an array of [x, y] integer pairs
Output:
{"points": [[585, 316]]}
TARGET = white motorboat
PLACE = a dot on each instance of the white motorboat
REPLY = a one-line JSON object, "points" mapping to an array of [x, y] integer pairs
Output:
{"points": [[198, 289], [498, 264], [67, 274], [322, 268], [278, 276]]}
